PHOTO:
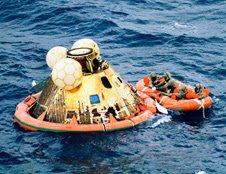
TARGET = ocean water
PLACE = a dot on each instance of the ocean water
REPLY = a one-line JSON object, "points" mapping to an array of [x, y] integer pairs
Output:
{"points": [[186, 38]]}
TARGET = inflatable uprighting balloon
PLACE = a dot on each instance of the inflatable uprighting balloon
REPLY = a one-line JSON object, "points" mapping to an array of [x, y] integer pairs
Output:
{"points": [[87, 43], [67, 74], [55, 54]]}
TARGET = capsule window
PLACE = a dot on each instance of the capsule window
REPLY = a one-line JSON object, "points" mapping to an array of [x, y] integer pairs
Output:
{"points": [[94, 99], [106, 82], [119, 79]]}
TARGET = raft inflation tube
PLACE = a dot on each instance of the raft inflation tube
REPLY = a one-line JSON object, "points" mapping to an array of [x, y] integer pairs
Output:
{"points": [[178, 105], [97, 100]]}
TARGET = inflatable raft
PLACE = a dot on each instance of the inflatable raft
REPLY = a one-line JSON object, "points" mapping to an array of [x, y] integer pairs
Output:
{"points": [[83, 94], [178, 105], [29, 122]]}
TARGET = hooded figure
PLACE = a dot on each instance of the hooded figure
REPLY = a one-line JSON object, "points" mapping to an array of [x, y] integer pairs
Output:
{"points": [[168, 85]]}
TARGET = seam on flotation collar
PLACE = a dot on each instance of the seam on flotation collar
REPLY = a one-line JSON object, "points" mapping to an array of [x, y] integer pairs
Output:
{"points": [[132, 122], [143, 90], [104, 126], [162, 99]]}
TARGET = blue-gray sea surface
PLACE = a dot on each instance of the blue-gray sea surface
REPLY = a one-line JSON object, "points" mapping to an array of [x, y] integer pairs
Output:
{"points": [[186, 38]]}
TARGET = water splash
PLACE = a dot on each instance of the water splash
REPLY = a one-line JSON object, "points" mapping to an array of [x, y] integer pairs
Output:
{"points": [[162, 120], [200, 172], [177, 25], [33, 83]]}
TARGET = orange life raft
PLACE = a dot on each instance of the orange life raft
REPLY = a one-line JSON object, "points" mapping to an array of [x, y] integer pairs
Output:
{"points": [[178, 105], [25, 120]]}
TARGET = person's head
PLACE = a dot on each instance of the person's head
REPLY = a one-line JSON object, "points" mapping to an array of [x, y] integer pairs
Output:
{"points": [[198, 88], [153, 76], [167, 75], [182, 87]]}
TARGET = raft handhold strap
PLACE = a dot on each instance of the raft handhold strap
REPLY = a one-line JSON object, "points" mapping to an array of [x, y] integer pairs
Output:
{"points": [[202, 105], [162, 99], [203, 108]]}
